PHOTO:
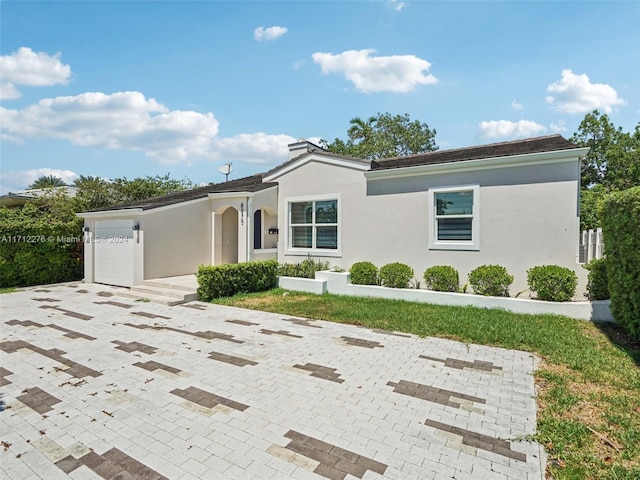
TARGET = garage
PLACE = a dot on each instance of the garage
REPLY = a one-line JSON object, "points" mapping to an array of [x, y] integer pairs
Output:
{"points": [[113, 252]]}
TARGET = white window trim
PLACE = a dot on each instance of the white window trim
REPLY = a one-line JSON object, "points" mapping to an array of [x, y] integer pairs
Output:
{"points": [[317, 252], [474, 243]]}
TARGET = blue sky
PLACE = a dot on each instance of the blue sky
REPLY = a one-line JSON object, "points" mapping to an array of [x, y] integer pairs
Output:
{"points": [[128, 89]]}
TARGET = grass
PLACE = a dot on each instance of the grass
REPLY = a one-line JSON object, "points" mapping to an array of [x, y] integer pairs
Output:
{"points": [[7, 290], [588, 380]]}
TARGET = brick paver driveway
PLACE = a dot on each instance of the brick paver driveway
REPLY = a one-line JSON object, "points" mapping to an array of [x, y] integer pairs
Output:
{"points": [[101, 387]]}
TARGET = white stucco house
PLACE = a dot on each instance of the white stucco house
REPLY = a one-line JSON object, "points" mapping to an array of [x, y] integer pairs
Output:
{"points": [[513, 203]]}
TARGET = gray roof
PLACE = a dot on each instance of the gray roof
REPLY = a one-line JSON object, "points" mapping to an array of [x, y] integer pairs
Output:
{"points": [[549, 143], [250, 184]]}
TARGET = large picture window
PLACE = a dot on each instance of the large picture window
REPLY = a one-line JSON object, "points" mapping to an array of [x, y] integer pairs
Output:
{"points": [[313, 225], [454, 212]]}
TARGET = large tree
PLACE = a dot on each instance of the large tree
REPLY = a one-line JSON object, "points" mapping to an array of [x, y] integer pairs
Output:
{"points": [[383, 136], [47, 181], [612, 164], [613, 160]]}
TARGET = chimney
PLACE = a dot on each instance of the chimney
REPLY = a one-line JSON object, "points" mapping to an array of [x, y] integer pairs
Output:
{"points": [[303, 147]]}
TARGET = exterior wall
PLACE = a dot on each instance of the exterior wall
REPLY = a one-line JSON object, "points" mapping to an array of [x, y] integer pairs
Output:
{"points": [[528, 216], [177, 239]]}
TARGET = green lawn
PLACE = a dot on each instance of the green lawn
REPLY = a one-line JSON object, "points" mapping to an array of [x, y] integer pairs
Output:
{"points": [[588, 380]]}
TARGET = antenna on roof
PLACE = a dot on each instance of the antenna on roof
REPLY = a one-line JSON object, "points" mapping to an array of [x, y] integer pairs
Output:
{"points": [[226, 169]]}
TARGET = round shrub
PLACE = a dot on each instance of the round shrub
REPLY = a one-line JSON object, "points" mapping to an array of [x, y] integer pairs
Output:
{"points": [[491, 280], [598, 280], [396, 275], [364, 273], [441, 278], [552, 282]]}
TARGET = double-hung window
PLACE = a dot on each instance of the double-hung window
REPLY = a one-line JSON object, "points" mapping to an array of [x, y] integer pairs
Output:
{"points": [[454, 215], [313, 225]]}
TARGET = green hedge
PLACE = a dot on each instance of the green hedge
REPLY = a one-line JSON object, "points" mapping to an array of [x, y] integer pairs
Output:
{"points": [[364, 273], [598, 283], [620, 217], [441, 278], [552, 282], [215, 281], [491, 280], [38, 248], [396, 275], [305, 269]]}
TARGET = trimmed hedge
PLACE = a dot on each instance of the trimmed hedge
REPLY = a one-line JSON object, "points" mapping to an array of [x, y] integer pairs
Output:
{"points": [[396, 275], [598, 280], [364, 273], [552, 282], [38, 247], [491, 280], [620, 217], [215, 281], [305, 269], [441, 278]]}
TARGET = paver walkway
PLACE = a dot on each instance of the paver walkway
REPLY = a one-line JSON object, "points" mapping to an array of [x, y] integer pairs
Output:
{"points": [[100, 387]]}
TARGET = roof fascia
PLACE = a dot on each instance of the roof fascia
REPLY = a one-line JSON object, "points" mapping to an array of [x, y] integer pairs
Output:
{"points": [[125, 212], [539, 158], [355, 164]]}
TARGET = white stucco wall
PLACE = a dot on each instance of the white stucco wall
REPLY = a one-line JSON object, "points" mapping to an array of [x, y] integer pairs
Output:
{"points": [[528, 216], [177, 239]]}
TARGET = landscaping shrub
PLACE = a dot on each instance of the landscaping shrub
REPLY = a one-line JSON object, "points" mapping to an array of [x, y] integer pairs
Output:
{"points": [[620, 217], [38, 246], [216, 281], [396, 275], [598, 282], [364, 273], [491, 280], [552, 282], [305, 269], [441, 278]]}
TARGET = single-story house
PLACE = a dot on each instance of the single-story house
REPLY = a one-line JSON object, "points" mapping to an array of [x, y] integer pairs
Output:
{"points": [[18, 199], [514, 204]]}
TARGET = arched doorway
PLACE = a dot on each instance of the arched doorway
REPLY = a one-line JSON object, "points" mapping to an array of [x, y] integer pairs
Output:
{"points": [[230, 236]]}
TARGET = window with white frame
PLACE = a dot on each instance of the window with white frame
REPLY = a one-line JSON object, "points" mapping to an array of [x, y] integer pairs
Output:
{"points": [[454, 218], [313, 225]]}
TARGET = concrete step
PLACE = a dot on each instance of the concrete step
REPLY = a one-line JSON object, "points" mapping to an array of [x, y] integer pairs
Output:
{"points": [[169, 301], [162, 295], [164, 292], [168, 286]]}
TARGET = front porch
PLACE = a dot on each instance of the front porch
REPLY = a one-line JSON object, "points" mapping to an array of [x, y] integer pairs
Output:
{"points": [[165, 291]]}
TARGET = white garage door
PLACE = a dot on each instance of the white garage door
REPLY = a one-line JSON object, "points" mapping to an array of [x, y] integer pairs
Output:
{"points": [[113, 252]]}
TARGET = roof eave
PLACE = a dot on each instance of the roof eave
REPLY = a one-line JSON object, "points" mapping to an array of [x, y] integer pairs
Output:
{"points": [[538, 158]]}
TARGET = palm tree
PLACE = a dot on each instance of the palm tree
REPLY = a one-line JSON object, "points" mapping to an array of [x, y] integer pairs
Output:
{"points": [[48, 181], [361, 130]]}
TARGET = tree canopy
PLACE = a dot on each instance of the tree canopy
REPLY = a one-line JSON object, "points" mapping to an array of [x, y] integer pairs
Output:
{"points": [[614, 158], [383, 136], [612, 164], [47, 181]]}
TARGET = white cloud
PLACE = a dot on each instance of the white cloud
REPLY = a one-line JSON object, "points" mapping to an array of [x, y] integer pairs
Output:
{"points": [[395, 5], [515, 105], [253, 148], [395, 73], [129, 121], [507, 129], [558, 126], [16, 181], [123, 120], [271, 33], [26, 67], [576, 94]]}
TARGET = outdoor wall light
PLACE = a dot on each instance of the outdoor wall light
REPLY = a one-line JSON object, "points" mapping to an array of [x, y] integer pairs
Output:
{"points": [[85, 229], [136, 226]]}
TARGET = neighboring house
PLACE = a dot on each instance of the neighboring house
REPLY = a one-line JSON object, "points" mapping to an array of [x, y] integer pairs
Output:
{"points": [[18, 199], [511, 203]]}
